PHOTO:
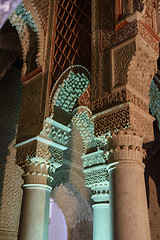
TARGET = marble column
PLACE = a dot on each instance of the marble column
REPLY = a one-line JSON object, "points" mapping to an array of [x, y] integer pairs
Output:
{"points": [[128, 204], [96, 178], [101, 228], [34, 219]]}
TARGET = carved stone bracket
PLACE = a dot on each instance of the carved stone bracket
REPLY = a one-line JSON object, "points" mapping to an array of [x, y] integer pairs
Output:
{"points": [[96, 175], [42, 155]]}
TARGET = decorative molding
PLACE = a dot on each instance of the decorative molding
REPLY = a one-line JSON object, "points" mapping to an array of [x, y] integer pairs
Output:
{"points": [[33, 8], [8, 234], [94, 158], [121, 95], [55, 131]]}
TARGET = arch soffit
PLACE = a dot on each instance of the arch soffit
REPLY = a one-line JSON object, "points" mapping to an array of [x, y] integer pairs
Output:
{"points": [[68, 89]]}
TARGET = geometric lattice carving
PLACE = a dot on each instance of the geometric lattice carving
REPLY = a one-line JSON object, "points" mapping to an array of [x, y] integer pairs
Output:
{"points": [[72, 36]]}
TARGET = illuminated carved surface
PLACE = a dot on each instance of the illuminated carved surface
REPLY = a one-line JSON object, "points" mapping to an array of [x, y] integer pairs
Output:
{"points": [[23, 33], [38, 11], [126, 145], [70, 86], [24, 23], [75, 85], [55, 131]]}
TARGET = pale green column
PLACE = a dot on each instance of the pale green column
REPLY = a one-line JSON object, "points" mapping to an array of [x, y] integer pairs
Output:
{"points": [[96, 178], [101, 221]]}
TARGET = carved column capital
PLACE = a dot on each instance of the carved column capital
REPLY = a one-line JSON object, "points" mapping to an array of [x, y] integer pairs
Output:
{"points": [[125, 146], [42, 155], [96, 175]]}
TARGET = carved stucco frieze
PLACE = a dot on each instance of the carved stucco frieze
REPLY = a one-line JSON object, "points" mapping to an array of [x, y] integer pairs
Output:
{"points": [[94, 158], [117, 97], [121, 57], [125, 116], [130, 61], [143, 59]]}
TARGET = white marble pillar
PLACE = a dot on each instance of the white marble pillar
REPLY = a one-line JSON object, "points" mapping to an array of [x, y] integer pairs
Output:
{"points": [[101, 224], [34, 220], [128, 204]]}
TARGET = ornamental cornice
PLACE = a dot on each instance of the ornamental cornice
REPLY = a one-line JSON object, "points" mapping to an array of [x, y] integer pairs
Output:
{"points": [[94, 158], [55, 131]]}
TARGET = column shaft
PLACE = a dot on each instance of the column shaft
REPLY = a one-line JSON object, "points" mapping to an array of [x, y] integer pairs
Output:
{"points": [[34, 220], [128, 203], [101, 228]]}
